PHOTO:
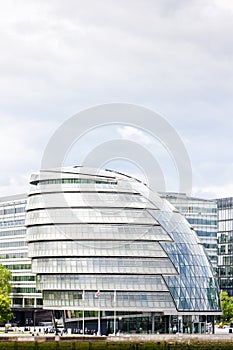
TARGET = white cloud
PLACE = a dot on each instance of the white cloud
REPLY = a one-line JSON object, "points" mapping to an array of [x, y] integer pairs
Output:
{"points": [[131, 133], [22, 143], [173, 56], [213, 192]]}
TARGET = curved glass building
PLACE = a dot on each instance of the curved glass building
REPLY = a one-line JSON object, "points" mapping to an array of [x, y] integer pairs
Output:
{"points": [[101, 241]]}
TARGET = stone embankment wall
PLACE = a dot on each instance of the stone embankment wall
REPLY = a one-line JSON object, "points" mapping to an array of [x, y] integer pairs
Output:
{"points": [[126, 342]]}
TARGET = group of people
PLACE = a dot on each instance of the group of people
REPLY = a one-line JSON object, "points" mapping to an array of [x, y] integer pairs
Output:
{"points": [[86, 331], [45, 330]]}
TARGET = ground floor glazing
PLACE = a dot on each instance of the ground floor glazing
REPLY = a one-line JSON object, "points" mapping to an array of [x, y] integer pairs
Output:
{"points": [[140, 323]]}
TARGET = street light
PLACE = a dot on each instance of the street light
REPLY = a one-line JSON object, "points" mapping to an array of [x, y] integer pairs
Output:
{"points": [[35, 311], [119, 325]]}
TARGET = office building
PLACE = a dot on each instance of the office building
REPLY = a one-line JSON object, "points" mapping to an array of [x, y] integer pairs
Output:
{"points": [[26, 300], [225, 240], [102, 243], [202, 216]]}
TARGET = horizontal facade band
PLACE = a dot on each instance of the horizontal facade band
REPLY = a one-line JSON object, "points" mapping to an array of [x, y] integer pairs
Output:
{"points": [[102, 282], [98, 231], [104, 265], [110, 300], [97, 249]]}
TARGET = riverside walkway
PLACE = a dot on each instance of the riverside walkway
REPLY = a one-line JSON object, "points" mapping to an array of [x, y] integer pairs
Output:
{"points": [[16, 340]]}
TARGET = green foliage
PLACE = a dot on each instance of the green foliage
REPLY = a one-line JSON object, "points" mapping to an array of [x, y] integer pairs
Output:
{"points": [[5, 276], [5, 310], [5, 289], [227, 306]]}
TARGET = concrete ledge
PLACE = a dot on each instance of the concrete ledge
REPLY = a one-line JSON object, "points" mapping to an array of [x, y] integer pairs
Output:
{"points": [[127, 338], [173, 338]]}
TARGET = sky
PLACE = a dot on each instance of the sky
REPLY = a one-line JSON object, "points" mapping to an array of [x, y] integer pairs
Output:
{"points": [[175, 58]]}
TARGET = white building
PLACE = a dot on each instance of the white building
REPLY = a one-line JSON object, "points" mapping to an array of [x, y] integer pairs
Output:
{"points": [[14, 255], [92, 231]]}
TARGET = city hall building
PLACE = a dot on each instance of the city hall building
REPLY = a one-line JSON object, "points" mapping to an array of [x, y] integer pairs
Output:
{"points": [[202, 214], [112, 255]]}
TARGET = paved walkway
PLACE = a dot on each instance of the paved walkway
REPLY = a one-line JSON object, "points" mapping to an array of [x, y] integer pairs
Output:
{"points": [[221, 336]]}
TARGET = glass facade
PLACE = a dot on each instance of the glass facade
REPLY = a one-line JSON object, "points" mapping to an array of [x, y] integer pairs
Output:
{"points": [[202, 216], [14, 256], [225, 244], [92, 231]]}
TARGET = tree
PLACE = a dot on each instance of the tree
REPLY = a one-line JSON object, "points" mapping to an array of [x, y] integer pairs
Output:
{"points": [[5, 277], [227, 306], [5, 289], [5, 309]]}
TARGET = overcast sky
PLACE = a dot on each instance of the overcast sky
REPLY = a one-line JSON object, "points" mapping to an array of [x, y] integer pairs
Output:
{"points": [[172, 56]]}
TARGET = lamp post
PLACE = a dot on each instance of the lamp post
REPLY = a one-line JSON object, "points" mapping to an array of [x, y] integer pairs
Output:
{"points": [[34, 321], [120, 325], [114, 316], [83, 323]]}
